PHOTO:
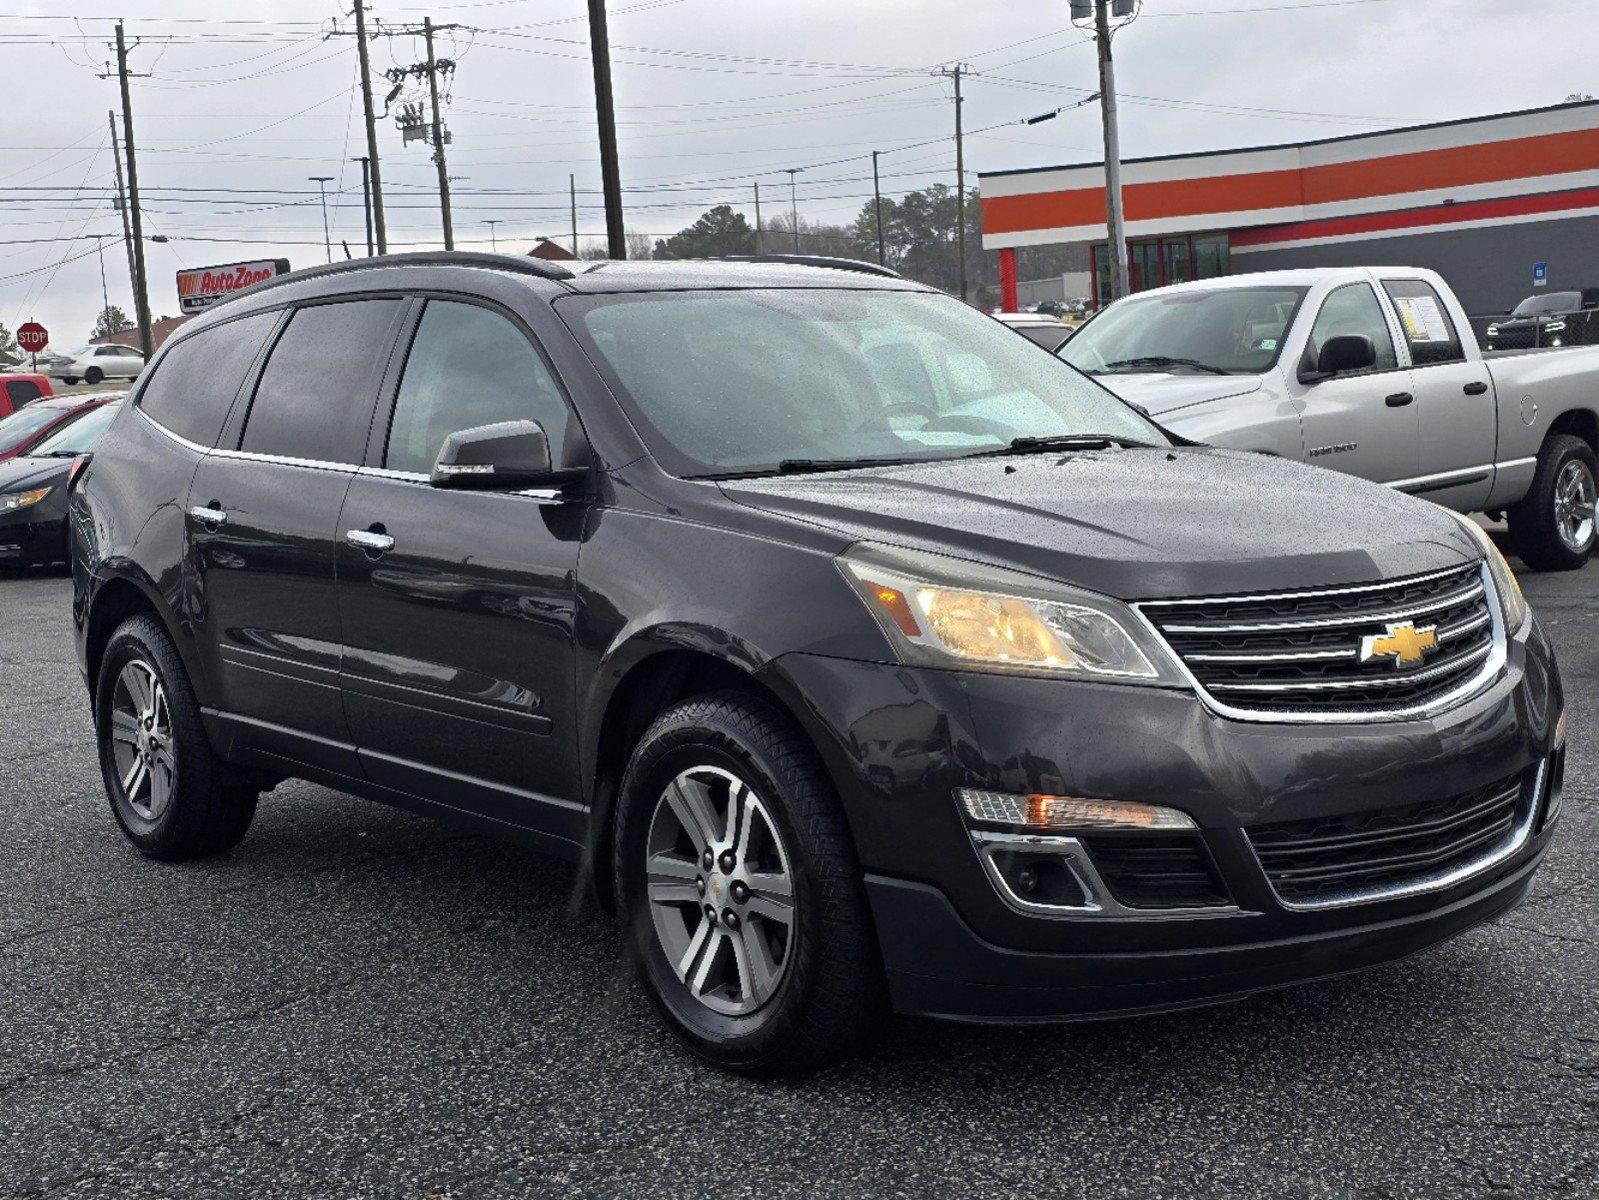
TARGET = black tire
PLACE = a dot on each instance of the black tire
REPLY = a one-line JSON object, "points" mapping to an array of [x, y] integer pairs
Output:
{"points": [[831, 991], [1533, 521], [69, 380], [93, 375], [209, 805]]}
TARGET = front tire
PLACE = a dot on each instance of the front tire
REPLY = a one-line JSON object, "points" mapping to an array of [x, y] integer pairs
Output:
{"points": [[738, 880], [1553, 526], [172, 796]]}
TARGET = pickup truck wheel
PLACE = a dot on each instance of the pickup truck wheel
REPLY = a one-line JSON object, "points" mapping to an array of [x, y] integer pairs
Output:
{"points": [[737, 878], [1553, 526], [170, 793]]}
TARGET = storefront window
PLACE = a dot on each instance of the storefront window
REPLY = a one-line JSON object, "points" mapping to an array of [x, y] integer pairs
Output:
{"points": [[1156, 262]]}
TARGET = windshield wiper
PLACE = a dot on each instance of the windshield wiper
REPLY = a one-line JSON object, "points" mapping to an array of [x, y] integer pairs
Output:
{"points": [[1161, 360], [798, 466], [1065, 441]]}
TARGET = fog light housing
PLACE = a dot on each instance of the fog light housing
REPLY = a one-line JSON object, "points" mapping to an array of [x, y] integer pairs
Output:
{"points": [[1043, 813]]}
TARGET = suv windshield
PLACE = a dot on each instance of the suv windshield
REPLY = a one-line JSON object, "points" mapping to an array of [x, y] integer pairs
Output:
{"points": [[1554, 302], [1216, 331], [757, 381]]}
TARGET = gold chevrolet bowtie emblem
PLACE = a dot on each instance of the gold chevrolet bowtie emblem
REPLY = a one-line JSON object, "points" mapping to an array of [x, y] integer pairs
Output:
{"points": [[1403, 643]]}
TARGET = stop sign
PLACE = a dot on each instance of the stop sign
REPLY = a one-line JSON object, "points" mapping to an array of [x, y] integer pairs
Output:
{"points": [[33, 337]]}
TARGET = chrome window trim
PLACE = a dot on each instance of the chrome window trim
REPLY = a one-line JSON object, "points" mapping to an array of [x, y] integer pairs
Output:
{"points": [[551, 495], [247, 455], [1438, 880], [1492, 667], [1100, 904]]}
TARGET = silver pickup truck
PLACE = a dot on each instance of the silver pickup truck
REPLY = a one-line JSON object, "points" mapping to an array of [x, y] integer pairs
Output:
{"points": [[1372, 371]]}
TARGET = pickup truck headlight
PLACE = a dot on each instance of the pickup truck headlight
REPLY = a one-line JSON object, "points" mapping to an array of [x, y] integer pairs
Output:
{"points": [[11, 501], [1554, 326], [945, 612], [1511, 602]]}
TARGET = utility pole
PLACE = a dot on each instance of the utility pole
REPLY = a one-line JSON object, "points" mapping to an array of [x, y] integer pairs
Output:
{"points": [[321, 182], [954, 73], [122, 200], [877, 200], [366, 197], [375, 208], [605, 108], [1115, 222], [141, 297], [571, 183], [105, 295], [494, 242], [759, 237], [438, 136], [793, 205]]}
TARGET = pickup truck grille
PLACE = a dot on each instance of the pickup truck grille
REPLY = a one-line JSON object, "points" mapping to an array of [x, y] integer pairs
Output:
{"points": [[1379, 853], [1516, 339], [1297, 655]]}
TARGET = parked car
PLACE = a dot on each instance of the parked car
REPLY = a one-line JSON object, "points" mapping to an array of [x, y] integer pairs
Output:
{"points": [[1368, 371], [33, 492], [20, 388], [1552, 319], [1047, 331], [94, 364], [29, 426], [984, 700]]}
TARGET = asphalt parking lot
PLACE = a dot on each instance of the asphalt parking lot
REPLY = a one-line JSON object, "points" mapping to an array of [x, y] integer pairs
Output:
{"points": [[358, 1002]]}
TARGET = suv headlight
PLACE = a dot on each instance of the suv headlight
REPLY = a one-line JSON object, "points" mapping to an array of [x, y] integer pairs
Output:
{"points": [[1554, 326], [11, 501], [1493, 331], [1511, 602], [946, 612]]}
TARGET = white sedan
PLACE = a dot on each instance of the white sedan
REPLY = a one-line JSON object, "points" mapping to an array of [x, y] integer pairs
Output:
{"points": [[93, 364]]}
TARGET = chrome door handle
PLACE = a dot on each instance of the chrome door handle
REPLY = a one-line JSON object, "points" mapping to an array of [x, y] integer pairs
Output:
{"points": [[376, 543], [213, 518]]}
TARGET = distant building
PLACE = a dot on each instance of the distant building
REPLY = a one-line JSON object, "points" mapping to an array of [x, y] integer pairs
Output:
{"points": [[1498, 205], [160, 331], [552, 251]]}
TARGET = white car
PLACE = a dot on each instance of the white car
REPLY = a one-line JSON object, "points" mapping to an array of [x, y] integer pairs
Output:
{"points": [[1042, 328], [92, 364]]}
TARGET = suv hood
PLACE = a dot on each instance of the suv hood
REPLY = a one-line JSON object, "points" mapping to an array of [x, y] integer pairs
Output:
{"points": [[1158, 393], [1134, 524]]}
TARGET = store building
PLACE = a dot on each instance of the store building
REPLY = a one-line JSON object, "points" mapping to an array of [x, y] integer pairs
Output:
{"points": [[1482, 201]]}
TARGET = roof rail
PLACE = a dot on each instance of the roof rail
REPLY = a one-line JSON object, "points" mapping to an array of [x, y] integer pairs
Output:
{"points": [[522, 264], [814, 260]]}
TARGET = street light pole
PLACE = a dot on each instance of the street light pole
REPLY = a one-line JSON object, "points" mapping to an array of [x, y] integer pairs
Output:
{"points": [[105, 296], [877, 200], [494, 243], [366, 198], [1115, 220], [793, 205], [321, 182]]}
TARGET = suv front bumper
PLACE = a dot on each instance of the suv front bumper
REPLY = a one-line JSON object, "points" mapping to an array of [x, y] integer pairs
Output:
{"points": [[899, 741]]}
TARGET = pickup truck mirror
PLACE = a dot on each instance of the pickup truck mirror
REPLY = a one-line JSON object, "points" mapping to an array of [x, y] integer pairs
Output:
{"points": [[506, 456], [1341, 355]]}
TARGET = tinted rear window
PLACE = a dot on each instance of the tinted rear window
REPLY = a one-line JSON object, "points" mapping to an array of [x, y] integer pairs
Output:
{"points": [[196, 383], [22, 391], [316, 393]]}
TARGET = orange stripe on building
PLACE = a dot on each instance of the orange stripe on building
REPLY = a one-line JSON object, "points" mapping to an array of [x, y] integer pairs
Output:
{"points": [[1397, 174]]}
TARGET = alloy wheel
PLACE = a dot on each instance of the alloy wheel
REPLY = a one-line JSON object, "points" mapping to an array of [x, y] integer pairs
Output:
{"points": [[143, 748], [1574, 505], [720, 890]]}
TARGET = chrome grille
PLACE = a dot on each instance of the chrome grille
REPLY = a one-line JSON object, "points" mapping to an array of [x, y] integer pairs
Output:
{"points": [[1297, 655]]}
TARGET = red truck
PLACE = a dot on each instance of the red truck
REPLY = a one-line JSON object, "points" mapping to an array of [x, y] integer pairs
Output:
{"points": [[17, 390]]}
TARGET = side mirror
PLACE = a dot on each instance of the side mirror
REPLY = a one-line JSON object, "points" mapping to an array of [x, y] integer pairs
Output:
{"points": [[1341, 355], [507, 456]]}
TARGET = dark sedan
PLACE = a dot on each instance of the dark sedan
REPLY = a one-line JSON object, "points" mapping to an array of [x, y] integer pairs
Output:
{"points": [[33, 492], [28, 427]]}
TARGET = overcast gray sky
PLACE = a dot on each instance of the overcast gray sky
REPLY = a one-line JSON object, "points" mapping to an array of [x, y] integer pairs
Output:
{"points": [[239, 109]]}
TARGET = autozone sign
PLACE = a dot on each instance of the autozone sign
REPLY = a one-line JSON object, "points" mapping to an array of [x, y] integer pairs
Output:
{"points": [[201, 287]]}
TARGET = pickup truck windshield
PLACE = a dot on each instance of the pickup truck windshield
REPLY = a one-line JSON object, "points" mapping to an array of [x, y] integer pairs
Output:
{"points": [[1554, 302], [766, 380], [1216, 331]]}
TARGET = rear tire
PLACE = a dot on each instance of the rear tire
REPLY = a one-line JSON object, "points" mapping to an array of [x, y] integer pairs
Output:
{"points": [[170, 793], [783, 987], [93, 375], [69, 380], [1553, 526]]}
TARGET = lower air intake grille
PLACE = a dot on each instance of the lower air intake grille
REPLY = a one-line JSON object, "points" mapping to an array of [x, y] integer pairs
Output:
{"points": [[1359, 856], [1147, 871]]}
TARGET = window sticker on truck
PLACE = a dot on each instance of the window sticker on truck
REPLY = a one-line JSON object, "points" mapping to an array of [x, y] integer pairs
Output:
{"points": [[1422, 318]]}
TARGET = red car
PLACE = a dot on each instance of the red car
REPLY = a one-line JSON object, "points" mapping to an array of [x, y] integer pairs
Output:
{"points": [[19, 389], [28, 426]]}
